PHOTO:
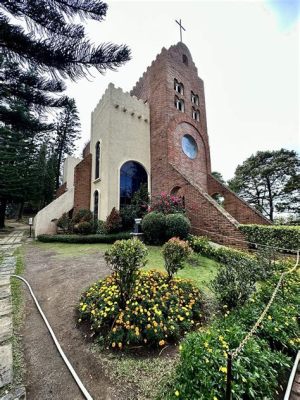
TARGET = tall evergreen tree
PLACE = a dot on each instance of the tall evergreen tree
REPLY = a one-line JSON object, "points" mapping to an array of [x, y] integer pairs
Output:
{"points": [[67, 131], [53, 42]]}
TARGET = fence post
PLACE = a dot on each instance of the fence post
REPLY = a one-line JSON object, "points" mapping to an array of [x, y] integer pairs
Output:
{"points": [[229, 376]]}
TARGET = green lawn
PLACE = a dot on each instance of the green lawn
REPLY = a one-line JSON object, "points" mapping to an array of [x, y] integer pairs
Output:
{"points": [[199, 269]]}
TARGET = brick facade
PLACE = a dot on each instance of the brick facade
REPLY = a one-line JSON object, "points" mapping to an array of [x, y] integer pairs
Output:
{"points": [[171, 170], [82, 183]]}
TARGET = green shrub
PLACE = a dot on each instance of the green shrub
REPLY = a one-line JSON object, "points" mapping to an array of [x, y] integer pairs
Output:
{"points": [[175, 252], [82, 215], [234, 283], [100, 228], [128, 214], [286, 237], [84, 239], [159, 311], [154, 226], [113, 222], [65, 223], [201, 373], [125, 258], [177, 225], [84, 228]]}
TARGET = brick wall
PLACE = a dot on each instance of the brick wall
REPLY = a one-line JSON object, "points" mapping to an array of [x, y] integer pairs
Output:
{"points": [[82, 183], [238, 208], [61, 190]]}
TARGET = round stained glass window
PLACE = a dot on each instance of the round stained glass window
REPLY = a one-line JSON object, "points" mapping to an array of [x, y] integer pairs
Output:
{"points": [[189, 146]]}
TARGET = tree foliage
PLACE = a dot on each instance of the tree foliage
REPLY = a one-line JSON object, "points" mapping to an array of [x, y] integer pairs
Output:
{"points": [[270, 181], [53, 42]]}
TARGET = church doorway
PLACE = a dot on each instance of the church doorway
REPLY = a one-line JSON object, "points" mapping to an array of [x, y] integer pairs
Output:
{"points": [[132, 176]]}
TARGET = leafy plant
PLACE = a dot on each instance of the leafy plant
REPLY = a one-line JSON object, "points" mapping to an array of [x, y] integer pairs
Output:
{"points": [[234, 283], [113, 222], [154, 226], [65, 223], [159, 311], [84, 228], [177, 225], [175, 252], [125, 258]]}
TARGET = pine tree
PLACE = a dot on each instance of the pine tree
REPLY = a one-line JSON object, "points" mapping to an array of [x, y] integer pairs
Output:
{"points": [[67, 131], [53, 43]]}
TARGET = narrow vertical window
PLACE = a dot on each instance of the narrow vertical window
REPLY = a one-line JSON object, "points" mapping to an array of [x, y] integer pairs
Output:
{"points": [[96, 204], [97, 161]]}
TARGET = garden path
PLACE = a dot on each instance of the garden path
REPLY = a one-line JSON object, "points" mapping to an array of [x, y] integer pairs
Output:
{"points": [[57, 284]]}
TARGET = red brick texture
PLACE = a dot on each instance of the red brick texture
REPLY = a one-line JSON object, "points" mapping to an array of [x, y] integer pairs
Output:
{"points": [[234, 205], [82, 183], [61, 190], [171, 169]]}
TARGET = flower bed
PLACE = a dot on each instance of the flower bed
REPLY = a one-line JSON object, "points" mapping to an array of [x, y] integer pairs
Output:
{"points": [[159, 311]]}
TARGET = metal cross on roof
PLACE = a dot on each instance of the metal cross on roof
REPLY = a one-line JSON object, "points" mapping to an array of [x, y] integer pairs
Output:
{"points": [[181, 28]]}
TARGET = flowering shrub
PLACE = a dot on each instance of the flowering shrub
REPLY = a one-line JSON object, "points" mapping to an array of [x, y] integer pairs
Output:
{"points": [[159, 310], [125, 257], [175, 252], [167, 204]]}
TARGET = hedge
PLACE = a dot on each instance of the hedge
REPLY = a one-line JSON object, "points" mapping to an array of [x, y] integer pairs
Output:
{"points": [[222, 254], [286, 237], [84, 239]]}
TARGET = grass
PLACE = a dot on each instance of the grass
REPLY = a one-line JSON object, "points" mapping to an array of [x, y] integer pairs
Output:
{"points": [[198, 268]]}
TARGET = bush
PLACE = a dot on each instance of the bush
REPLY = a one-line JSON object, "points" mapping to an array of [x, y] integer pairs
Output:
{"points": [[65, 223], [113, 222], [84, 228], [261, 365], [160, 310], [175, 252], [286, 237], [234, 283], [177, 225], [100, 227], [125, 258], [83, 239], [154, 226], [201, 373], [167, 204], [82, 215]]}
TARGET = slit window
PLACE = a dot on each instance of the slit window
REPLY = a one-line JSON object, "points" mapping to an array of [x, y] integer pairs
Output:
{"points": [[194, 98], [178, 87], [179, 104], [195, 114], [97, 161]]}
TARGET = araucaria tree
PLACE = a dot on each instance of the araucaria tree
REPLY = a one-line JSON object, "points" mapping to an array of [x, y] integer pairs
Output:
{"points": [[67, 131], [39, 44], [270, 181]]}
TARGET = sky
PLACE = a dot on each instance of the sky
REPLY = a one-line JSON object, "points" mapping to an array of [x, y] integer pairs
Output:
{"points": [[246, 52]]}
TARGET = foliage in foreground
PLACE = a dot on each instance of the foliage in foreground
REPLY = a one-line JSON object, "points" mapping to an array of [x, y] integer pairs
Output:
{"points": [[160, 310], [201, 373], [125, 258], [175, 252]]}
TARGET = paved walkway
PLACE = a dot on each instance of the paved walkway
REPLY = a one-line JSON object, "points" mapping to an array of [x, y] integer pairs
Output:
{"points": [[8, 245]]}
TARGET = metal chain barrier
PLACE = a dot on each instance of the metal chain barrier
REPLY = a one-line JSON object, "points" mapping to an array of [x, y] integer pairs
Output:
{"points": [[233, 354]]}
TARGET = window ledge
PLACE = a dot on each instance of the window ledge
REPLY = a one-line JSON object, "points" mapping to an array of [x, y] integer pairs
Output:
{"points": [[97, 180]]}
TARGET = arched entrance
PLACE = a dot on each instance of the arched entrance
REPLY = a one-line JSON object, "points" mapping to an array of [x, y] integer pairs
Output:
{"points": [[132, 176]]}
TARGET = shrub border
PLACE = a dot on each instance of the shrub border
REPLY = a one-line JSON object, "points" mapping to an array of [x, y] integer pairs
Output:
{"points": [[109, 238]]}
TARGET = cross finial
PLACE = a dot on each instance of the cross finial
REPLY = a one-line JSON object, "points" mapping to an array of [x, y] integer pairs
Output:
{"points": [[181, 28]]}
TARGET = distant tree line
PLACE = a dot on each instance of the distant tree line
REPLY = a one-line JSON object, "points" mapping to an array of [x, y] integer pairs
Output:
{"points": [[40, 45]]}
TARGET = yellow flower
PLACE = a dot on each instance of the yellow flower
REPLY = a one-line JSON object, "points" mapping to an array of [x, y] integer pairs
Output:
{"points": [[180, 347], [215, 398], [176, 393], [120, 345], [161, 342], [223, 369], [269, 317], [113, 344]]}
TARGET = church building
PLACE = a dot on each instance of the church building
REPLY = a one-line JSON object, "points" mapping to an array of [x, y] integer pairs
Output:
{"points": [[156, 134]]}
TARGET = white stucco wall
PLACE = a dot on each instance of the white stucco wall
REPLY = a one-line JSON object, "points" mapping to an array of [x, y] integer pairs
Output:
{"points": [[68, 174], [121, 123]]}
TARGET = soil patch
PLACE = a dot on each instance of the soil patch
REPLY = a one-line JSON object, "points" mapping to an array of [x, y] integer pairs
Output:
{"points": [[57, 284]]}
